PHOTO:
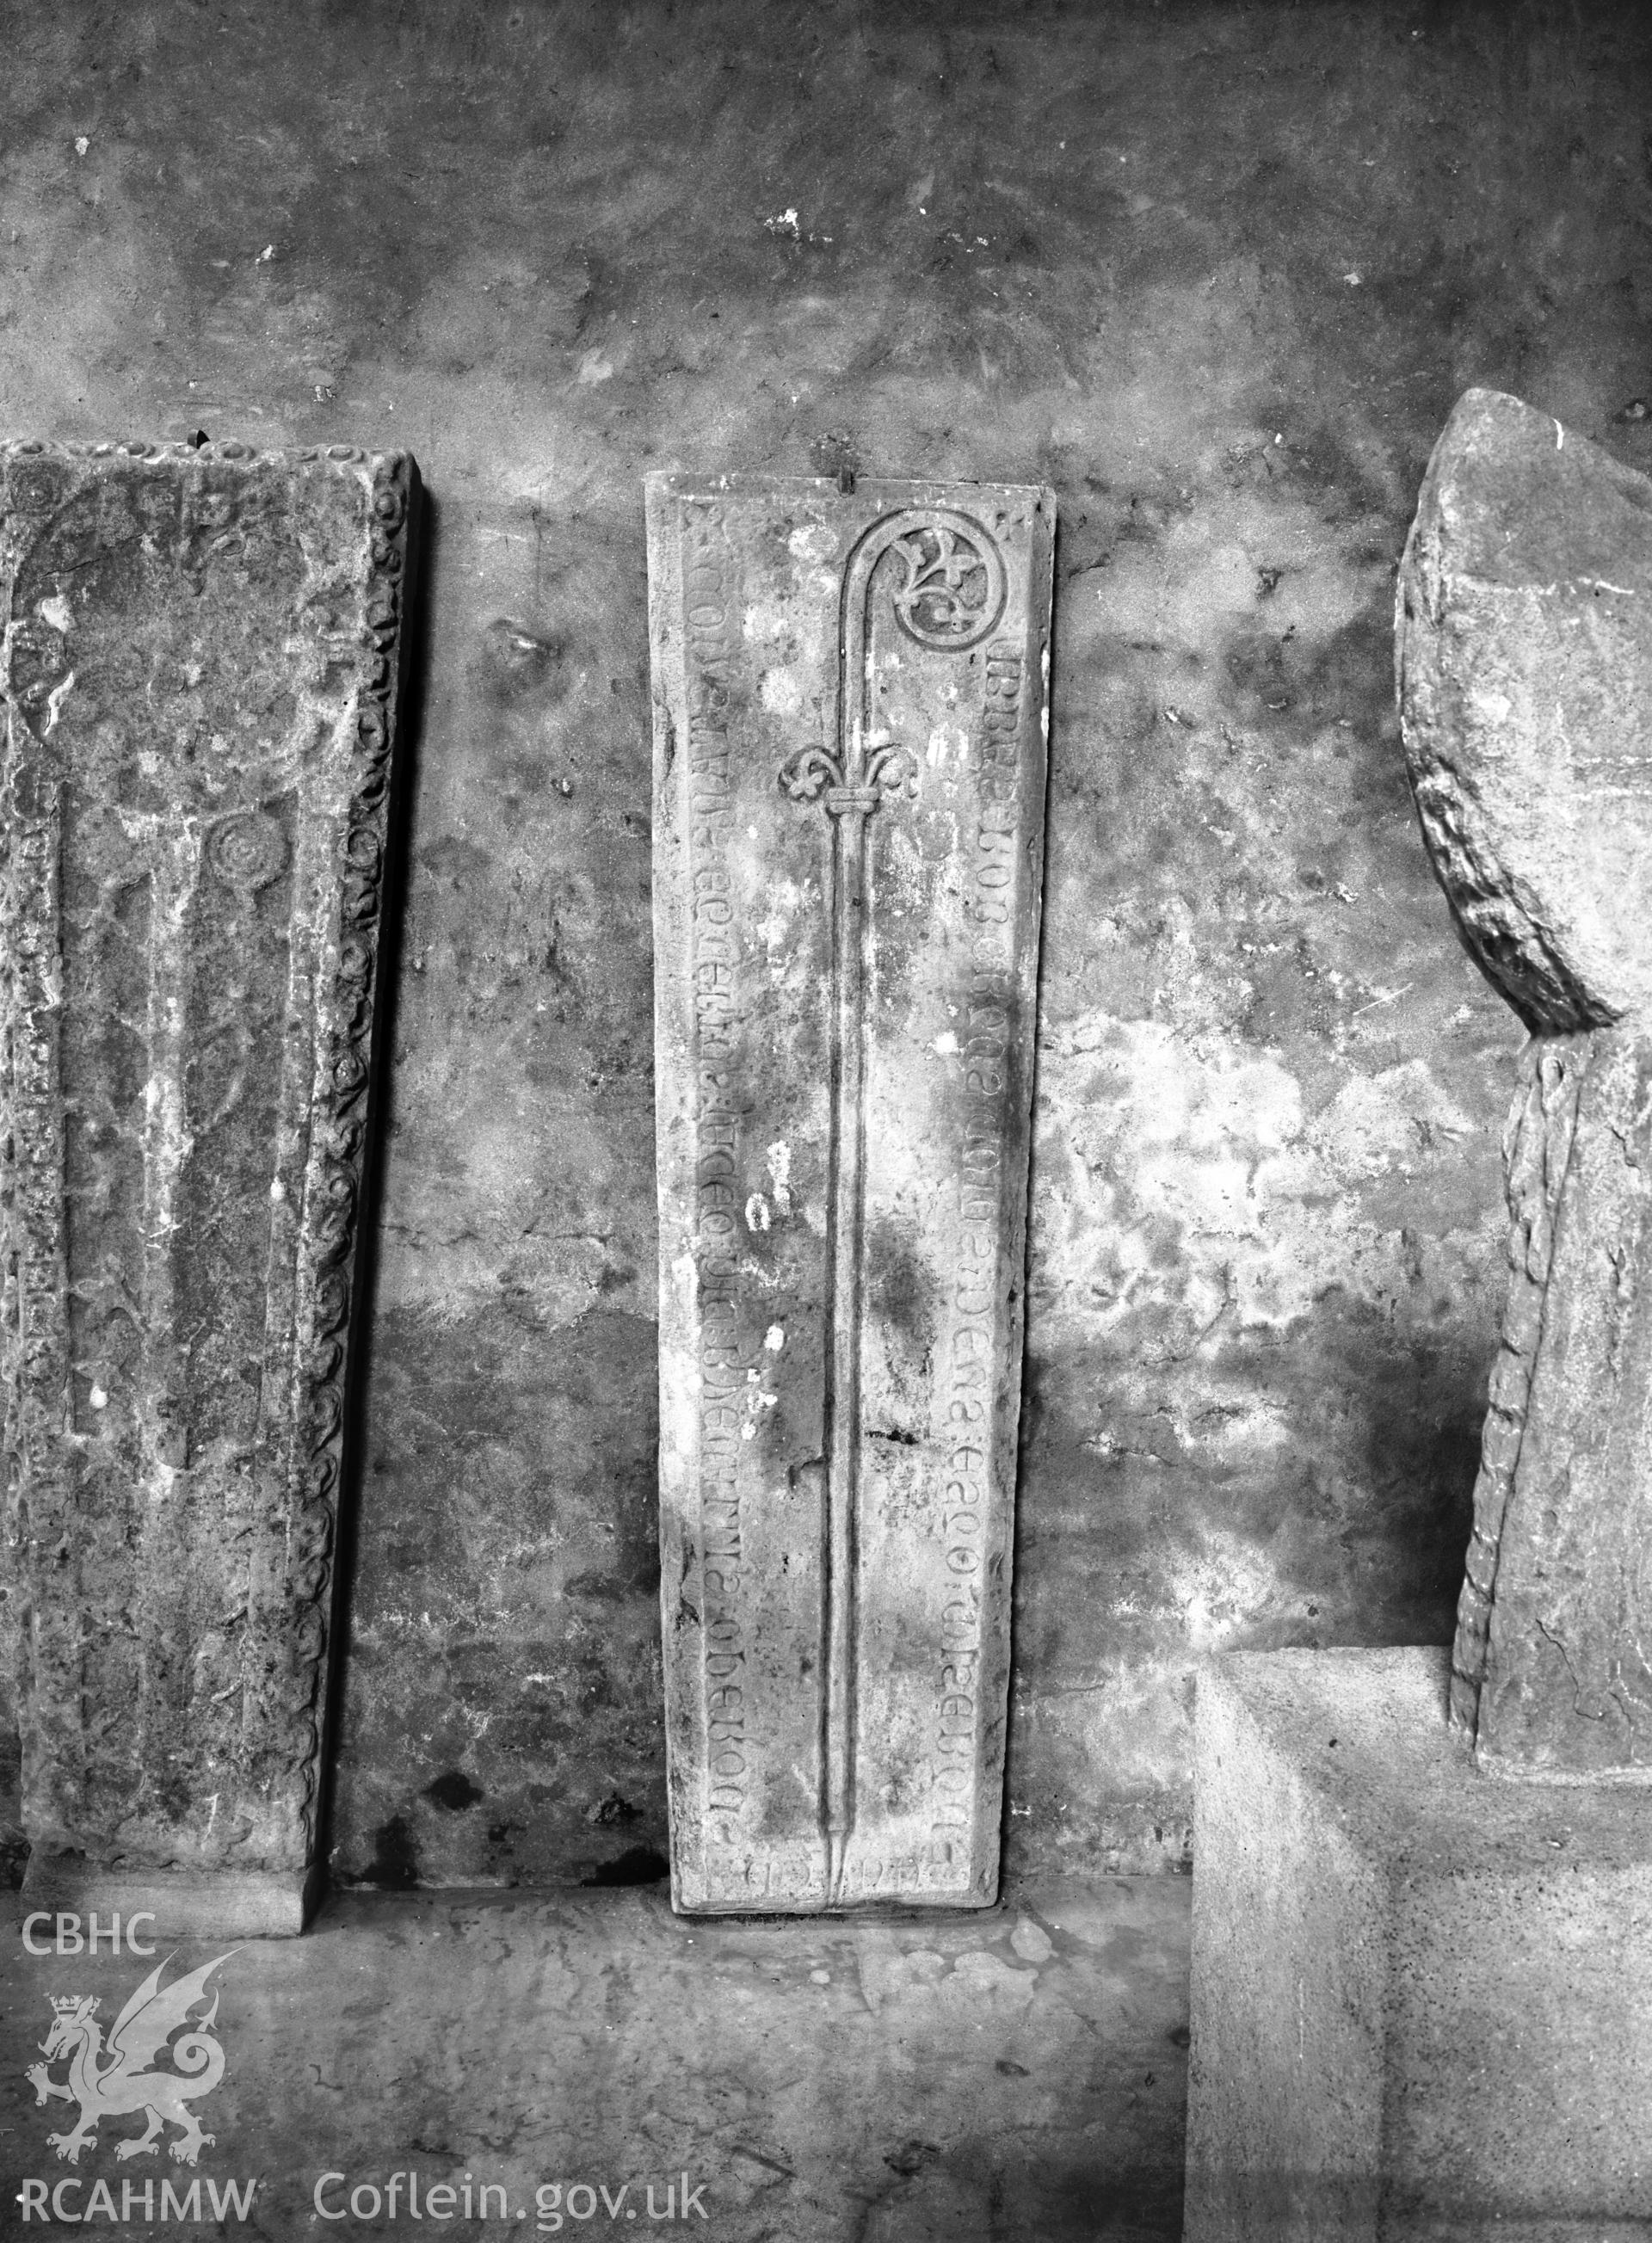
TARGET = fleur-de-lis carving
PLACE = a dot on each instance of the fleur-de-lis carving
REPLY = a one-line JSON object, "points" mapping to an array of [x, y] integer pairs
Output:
{"points": [[815, 774]]}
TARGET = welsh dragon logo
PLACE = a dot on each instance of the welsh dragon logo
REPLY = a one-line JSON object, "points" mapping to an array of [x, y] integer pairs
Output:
{"points": [[120, 2080]]}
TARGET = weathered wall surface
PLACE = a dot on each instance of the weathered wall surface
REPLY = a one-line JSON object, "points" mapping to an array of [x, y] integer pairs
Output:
{"points": [[1217, 275]]}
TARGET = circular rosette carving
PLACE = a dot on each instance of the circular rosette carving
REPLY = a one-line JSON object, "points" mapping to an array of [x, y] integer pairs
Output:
{"points": [[950, 592], [247, 851]]}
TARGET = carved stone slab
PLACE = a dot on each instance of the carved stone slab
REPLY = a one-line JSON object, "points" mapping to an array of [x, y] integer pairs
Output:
{"points": [[1525, 670], [849, 727], [1567, 1682], [1525, 651], [201, 660]]}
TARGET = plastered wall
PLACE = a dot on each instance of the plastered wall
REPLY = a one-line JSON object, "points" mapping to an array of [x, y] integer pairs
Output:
{"points": [[1217, 273]]}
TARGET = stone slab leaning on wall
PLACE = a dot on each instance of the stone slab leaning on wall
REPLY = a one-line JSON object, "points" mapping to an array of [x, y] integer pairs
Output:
{"points": [[849, 731], [1524, 648], [203, 656]]}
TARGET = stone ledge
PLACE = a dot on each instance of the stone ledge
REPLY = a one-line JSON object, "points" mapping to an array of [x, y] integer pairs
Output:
{"points": [[1421, 1998], [183, 1904]]}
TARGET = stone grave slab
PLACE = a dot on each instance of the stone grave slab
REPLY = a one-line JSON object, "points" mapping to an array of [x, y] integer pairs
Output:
{"points": [[850, 724], [202, 659], [1524, 650]]}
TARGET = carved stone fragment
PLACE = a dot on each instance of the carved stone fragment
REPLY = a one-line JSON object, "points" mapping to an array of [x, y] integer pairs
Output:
{"points": [[849, 711], [202, 655], [1524, 632]]}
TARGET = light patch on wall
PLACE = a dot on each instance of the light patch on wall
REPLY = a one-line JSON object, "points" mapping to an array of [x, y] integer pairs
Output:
{"points": [[1228, 1583], [1201, 1189], [1202, 571], [1378, 1123]]}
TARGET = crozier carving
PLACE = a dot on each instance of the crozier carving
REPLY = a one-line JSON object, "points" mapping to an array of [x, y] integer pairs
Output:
{"points": [[1524, 678], [844, 1065], [202, 651], [949, 595]]}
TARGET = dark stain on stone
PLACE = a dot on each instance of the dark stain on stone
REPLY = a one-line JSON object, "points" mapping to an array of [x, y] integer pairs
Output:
{"points": [[601, 1586], [455, 1791], [394, 1866], [1256, 663], [14, 1846], [517, 661], [1350, 669], [638, 1865], [834, 454], [1011, 2069], [454, 861], [612, 1809], [911, 2156], [899, 1286], [1385, 1431]]}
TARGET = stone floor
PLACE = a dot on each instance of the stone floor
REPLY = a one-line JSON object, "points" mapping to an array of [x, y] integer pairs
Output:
{"points": [[1016, 2077]]}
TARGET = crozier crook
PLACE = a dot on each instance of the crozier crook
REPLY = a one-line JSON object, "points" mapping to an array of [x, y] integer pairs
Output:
{"points": [[1524, 659]]}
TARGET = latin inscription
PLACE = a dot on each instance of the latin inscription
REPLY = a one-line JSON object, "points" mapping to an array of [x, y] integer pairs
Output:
{"points": [[978, 1234], [709, 629]]}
